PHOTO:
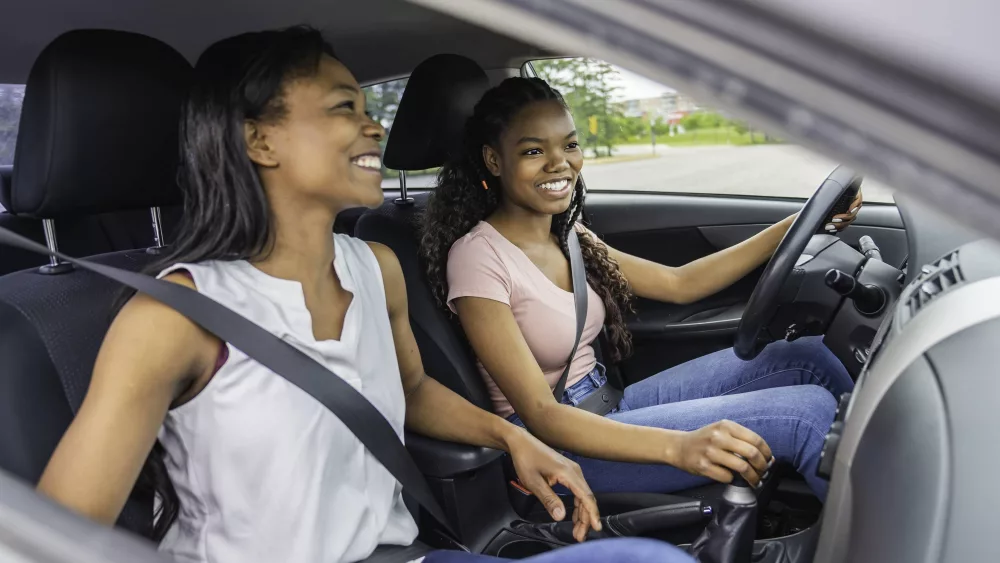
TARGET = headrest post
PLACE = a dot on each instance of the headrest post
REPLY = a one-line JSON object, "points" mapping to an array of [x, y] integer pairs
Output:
{"points": [[403, 199], [158, 242], [54, 266]]}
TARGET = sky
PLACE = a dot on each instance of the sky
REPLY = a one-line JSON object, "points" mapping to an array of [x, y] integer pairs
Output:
{"points": [[634, 86]]}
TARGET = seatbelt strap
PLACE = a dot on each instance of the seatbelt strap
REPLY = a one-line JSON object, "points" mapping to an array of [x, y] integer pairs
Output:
{"points": [[579, 275], [344, 401]]}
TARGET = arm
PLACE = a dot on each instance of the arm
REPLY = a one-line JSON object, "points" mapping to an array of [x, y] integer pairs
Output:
{"points": [[138, 374], [703, 277], [500, 346], [715, 272], [538, 466]]}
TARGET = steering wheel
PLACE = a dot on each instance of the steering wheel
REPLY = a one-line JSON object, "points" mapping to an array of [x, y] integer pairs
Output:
{"points": [[765, 298]]}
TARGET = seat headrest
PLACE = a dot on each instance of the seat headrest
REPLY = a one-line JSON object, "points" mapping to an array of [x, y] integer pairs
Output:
{"points": [[5, 175], [439, 97], [99, 126]]}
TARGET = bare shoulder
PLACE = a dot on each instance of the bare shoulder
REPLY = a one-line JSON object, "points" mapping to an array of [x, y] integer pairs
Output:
{"points": [[387, 262], [147, 332], [392, 275]]}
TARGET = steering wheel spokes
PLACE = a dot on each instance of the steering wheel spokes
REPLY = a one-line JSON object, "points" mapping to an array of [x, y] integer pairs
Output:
{"points": [[752, 336]]}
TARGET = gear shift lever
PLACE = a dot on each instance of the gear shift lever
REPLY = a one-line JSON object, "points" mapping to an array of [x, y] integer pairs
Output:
{"points": [[729, 537]]}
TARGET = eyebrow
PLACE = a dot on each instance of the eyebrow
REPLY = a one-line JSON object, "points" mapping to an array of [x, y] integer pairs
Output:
{"points": [[523, 140], [347, 87]]}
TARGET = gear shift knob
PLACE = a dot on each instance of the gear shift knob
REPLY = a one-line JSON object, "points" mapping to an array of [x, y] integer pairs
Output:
{"points": [[728, 538]]}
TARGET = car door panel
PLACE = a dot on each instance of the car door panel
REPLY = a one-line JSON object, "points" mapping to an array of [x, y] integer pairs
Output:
{"points": [[676, 229]]}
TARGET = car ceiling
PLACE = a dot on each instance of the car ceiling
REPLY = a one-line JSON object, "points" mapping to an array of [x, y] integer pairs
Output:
{"points": [[377, 39]]}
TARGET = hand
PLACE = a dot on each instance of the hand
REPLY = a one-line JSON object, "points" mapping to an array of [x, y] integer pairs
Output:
{"points": [[842, 221], [539, 467], [711, 451]]}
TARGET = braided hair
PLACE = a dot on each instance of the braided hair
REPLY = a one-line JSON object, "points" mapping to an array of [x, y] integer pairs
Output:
{"points": [[459, 203]]}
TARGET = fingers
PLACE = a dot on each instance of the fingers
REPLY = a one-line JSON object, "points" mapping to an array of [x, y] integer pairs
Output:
{"points": [[549, 499], [841, 221], [750, 437], [729, 460], [585, 502]]}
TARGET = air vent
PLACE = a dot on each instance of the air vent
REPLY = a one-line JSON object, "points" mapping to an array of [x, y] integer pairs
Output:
{"points": [[935, 279]]}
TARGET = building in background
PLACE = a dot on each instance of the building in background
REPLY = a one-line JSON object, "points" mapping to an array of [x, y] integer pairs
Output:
{"points": [[669, 107]]}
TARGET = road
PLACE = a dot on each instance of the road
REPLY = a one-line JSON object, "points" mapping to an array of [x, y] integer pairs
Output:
{"points": [[762, 170]]}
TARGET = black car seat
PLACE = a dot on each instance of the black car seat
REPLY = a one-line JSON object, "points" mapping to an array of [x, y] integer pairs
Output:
{"points": [[439, 97], [75, 229], [99, 134]]}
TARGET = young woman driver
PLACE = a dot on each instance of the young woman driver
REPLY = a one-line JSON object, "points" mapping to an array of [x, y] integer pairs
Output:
{"points": [[275, 144], [494, 241]]}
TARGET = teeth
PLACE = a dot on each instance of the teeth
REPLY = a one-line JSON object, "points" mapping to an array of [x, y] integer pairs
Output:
{"points": [[368, 161], [555, 186]]}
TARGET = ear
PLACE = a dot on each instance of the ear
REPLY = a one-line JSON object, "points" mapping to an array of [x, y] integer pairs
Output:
{"points": [[258, 148], [492, 160]]}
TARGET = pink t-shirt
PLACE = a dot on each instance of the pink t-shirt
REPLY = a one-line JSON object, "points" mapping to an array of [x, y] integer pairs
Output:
{"points": [[485, 264]]}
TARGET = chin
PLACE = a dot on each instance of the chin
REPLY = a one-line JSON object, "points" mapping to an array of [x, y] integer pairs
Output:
{"points": [[554, 207]]}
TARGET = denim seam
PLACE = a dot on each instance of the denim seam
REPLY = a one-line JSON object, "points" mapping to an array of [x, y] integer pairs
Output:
{"points": [[820, 433], [818, 380]]}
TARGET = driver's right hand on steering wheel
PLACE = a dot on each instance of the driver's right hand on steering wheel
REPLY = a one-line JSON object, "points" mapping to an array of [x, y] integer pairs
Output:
{"points": [[717, 450]]}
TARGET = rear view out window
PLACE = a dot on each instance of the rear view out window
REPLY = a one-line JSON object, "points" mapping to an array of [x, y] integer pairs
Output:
{"points": [[11, 98]]}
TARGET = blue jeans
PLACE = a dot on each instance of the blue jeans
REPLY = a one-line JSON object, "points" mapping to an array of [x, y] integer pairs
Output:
{"points": [[786, 395], [624, 549]]}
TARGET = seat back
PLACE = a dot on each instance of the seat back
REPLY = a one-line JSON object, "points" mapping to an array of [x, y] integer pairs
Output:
{"points": [[439, 97], [99, 135]]}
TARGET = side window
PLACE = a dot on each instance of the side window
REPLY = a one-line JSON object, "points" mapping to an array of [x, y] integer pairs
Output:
{"points": [[640, 135], [382, 102], [11, 98]]}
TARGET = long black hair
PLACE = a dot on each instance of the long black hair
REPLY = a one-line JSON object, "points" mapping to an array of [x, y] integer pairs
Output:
{"points": [[460, 202], [226, 214]]}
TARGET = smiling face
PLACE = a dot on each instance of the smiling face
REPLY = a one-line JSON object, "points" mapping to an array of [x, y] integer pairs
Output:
{"points": [[324, 147], [538, 158]]}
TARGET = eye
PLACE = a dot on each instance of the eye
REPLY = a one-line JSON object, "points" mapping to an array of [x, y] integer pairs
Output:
{"points": [[532, 152], [348, 105], [573, 146]]}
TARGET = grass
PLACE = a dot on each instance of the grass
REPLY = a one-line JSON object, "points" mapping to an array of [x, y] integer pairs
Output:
{"points": [[704, 137], [591, 161]]}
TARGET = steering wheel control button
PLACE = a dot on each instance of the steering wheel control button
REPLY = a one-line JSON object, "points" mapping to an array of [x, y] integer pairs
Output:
{"points": [[869, 299], [830, 445]]}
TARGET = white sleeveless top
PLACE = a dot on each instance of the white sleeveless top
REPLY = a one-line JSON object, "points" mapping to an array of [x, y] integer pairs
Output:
{"points": [[264, 472]]}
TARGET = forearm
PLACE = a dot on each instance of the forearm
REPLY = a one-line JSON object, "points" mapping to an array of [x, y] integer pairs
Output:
{"points": [[715, 272], [465, 423], [571, 429]]}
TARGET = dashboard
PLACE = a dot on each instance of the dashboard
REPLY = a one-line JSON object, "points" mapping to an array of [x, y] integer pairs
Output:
{"points": [[913, 450]]}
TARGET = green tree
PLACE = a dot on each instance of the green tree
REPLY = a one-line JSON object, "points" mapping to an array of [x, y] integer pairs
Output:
{"points": [[589, 87], [660, 127], [632, 128], [382, 100]]}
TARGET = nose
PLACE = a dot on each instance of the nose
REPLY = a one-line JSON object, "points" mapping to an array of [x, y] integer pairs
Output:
{"points": [[557, 162], [374, 129]]}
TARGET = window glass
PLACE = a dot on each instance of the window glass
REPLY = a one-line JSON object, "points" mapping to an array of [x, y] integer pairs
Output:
{"points": [[639, 135], [382, 102], [11, 98]]}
